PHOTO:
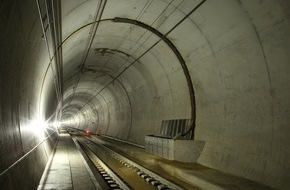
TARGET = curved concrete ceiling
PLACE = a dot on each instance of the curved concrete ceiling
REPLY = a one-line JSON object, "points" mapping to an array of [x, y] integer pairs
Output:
{"points": [[116, 68], [116, 62]]}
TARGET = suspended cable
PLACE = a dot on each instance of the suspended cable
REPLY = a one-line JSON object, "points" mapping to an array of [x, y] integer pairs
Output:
{"points": [[144, 53], [55, 77], [94, 28]]}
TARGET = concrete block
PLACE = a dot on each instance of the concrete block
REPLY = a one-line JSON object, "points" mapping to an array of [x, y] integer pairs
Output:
{"points": [[179, 150]]}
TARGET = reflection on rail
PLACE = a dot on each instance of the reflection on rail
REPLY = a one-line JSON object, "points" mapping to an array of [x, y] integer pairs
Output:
{"points": [[117, 171]]}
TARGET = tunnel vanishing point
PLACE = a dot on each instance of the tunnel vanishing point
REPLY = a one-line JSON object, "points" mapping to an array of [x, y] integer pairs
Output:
{"points": [[211, 72]]}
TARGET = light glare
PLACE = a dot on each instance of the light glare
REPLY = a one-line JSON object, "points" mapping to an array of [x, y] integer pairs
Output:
{"points": [[56, 124]]}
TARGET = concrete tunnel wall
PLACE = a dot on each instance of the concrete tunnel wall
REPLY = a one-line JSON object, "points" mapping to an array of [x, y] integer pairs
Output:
{"points": [[23, 64], [237, 54]]}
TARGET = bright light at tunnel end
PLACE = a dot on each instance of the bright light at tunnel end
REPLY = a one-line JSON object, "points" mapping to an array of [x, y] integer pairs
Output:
{"points": [[56, 124], [38, 123], [37, 126]]}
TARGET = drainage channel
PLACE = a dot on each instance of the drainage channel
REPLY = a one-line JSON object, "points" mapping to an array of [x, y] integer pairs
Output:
{"points": [[140, 177]]}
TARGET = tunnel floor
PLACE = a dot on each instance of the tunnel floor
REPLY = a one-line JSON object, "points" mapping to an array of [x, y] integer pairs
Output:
{"points": [[68, 169], [190, 175]]}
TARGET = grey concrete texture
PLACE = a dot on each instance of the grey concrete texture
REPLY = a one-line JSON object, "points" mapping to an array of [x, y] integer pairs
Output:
{"points": [[174, 149], [236, 51], [22, 53], [66, 169], [189, 175]]}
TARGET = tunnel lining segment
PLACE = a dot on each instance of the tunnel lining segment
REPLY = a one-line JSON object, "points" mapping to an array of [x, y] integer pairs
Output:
{"points": [[94, 28], [27, 154], [169, 44], [179, 57], [163, 37]]}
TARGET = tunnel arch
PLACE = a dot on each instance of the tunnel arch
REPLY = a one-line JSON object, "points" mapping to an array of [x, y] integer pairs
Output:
{"points": [[164, 39], [236, 52]]}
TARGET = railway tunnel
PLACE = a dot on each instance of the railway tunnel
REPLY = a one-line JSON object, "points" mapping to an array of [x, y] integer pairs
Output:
{"points": [[213, 76]]}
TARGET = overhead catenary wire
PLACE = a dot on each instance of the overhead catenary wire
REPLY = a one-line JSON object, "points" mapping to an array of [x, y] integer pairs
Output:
{"points": [[57, 48], [53, 35], [56, 20], [192, 124], [99, 12], [157, 18], [139, 16]]}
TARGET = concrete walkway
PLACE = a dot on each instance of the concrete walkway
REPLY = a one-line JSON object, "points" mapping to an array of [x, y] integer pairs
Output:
{"points": [[67, 169]]}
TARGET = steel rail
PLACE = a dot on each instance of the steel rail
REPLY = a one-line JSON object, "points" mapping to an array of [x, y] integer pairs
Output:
{"points": [[108, 174], [151, 177], [148, 176]]}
